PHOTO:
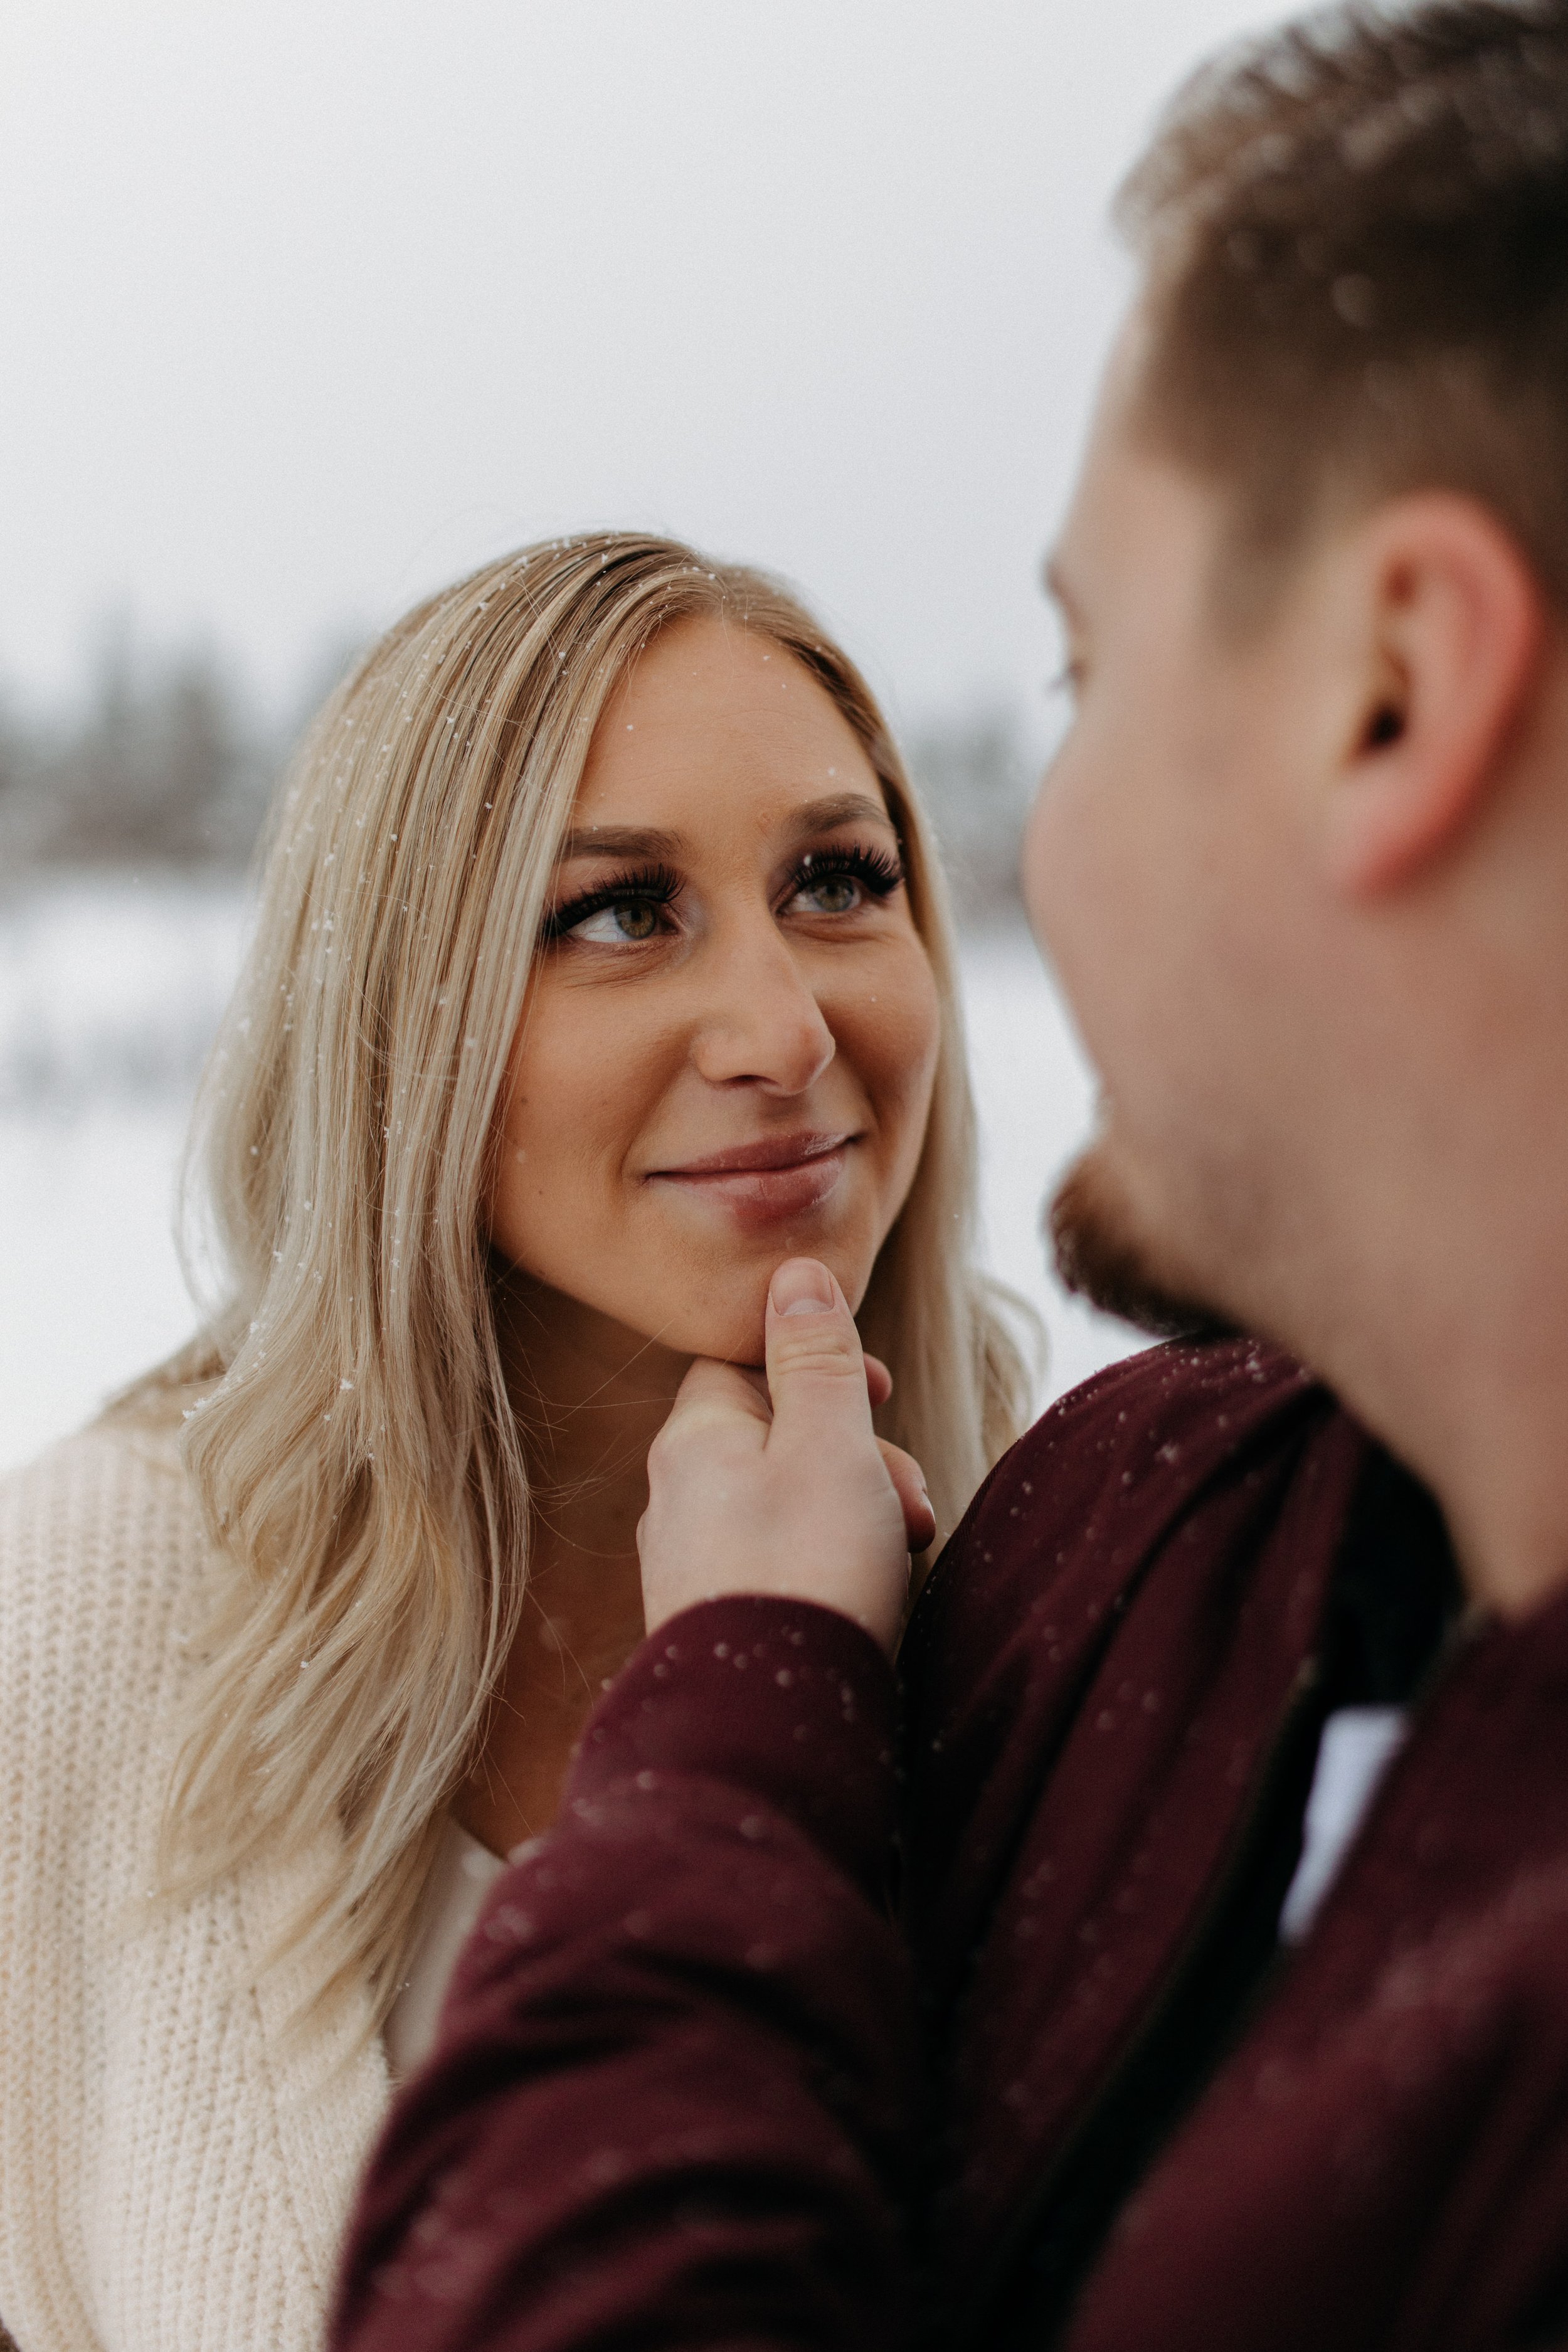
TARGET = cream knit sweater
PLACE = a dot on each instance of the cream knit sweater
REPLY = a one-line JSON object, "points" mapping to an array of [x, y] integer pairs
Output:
{"points": [[174, 2171]]}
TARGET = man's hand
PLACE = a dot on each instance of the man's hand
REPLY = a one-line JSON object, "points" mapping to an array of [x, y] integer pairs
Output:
{"points": [[789, 1492]]}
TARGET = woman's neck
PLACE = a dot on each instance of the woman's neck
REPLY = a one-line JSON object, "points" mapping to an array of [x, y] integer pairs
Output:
{"points": [[590, 1397]]}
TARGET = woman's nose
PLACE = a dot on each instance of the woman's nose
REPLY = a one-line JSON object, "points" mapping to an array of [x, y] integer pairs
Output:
{"points": [[762, 1024]]}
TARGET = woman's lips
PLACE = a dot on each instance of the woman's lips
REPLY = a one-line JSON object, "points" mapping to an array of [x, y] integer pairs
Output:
{"points": [[765, 1183]]}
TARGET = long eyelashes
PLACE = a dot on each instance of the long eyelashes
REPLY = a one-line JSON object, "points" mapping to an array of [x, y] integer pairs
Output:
{"points": [[644, 886], [878, 871]]}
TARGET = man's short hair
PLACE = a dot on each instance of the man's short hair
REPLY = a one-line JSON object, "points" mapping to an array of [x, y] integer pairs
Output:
{"points": [[1355, 231]]}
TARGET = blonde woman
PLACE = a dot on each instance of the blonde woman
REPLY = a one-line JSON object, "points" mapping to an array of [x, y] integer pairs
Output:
{"points": [[601, 963]]}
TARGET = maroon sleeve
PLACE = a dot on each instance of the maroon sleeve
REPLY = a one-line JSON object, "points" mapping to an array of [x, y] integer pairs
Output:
{"points": [[673, 2100]]}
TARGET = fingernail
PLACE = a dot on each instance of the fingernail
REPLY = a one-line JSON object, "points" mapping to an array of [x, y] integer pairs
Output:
{"points": [[802, 1287]]}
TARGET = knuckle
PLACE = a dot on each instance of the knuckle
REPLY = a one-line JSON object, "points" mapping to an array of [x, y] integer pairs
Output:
{"points": [[826, 1352], [666, 1442], [686, 1425]]}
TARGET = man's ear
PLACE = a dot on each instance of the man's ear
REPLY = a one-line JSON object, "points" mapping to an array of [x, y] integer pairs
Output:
{"points": [[1454, 620]]}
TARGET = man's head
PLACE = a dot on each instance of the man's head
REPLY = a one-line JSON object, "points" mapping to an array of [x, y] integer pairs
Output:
{"points": [[1302, 861]]}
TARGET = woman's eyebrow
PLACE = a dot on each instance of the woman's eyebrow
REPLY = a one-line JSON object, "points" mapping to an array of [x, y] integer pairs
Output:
{"points": [[620, 841], [625, 841], [838, 808]]}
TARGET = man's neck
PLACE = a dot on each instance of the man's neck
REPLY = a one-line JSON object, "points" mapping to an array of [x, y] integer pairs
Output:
{"points": [[1454, 1351]]}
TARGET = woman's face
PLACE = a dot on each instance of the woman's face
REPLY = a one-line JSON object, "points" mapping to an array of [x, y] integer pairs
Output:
{"points": [[731, 1036]]}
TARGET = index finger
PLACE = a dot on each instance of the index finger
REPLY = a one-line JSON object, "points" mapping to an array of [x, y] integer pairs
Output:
{"points": [[713, 1392]]}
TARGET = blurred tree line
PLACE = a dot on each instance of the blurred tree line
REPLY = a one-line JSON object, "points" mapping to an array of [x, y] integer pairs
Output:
{"points": [[163, 765], [160, 765]]}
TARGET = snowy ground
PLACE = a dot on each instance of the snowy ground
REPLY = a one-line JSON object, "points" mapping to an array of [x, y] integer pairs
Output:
{"points": [[108, 994]]}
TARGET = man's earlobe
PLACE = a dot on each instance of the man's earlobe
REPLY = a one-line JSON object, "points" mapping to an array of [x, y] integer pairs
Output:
{"points": [[1454, 620]]}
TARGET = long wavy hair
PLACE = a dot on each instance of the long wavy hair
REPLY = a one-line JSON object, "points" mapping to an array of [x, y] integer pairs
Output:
{"points": [[348, 1425]]}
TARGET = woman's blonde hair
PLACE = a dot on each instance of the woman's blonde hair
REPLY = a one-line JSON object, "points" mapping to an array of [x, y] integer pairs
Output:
{"points": [[352, 1438]]}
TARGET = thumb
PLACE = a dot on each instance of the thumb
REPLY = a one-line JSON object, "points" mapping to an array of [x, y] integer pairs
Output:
{"points": [[817, 1373]]}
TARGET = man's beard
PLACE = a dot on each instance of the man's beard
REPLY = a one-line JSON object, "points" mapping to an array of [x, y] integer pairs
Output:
{"points": [[1101, 1254]]}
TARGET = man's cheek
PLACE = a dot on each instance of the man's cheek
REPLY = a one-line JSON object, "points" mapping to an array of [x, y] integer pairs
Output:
{"points": [[1070, 889], [1042, 860]]}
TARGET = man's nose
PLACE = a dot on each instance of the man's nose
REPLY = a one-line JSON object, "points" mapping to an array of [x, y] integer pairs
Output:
{"points": [[761, 1023]]}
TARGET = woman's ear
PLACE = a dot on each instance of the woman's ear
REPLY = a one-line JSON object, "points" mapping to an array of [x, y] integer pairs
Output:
{"points": [[1454, 622]]}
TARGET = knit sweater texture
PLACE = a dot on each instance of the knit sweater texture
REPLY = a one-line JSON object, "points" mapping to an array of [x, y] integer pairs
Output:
{"points": [[175, 2164]]}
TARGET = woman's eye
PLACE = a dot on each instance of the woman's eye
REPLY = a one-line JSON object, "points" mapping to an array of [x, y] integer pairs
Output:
{"points": [[628, 921], [844, 884], [831, 894]]}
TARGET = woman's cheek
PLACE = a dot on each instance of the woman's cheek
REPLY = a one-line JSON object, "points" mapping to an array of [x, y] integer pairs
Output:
{"points": [[915, 1031], [896, 1028], [556, 1093]]}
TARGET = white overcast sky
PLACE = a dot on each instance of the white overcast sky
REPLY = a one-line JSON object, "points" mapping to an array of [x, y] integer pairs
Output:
{"points": [[307, 306]]}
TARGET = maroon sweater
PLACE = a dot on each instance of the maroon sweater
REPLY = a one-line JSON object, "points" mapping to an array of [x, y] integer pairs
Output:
{"points": [[680, 2097]]}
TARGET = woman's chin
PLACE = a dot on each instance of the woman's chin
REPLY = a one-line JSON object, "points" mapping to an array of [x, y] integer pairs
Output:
{"points": [[732, 1327], [732, 1334]]}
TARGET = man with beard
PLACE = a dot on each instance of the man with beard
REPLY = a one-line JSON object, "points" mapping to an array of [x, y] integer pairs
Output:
{"points": [[1234, 1890]]}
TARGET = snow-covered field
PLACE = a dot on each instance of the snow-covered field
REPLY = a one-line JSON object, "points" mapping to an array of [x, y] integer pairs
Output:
{"points": [[108, 994]]}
